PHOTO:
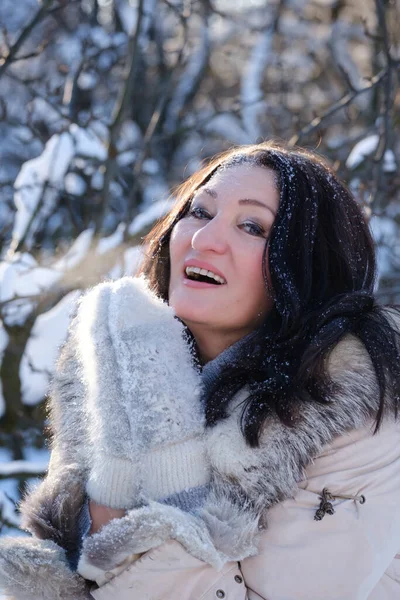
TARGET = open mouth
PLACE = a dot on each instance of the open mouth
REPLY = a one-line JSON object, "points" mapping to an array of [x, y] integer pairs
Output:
{"points": [[197, 274]]}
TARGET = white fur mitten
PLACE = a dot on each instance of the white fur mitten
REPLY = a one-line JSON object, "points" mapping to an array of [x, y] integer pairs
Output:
{"points": [[144, 417]]}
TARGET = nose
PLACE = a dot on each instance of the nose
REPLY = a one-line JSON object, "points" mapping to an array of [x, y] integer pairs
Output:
{"points": [[212, 237]]}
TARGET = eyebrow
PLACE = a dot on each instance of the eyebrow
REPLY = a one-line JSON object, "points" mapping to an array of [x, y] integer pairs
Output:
{"points": [[248, 201]]}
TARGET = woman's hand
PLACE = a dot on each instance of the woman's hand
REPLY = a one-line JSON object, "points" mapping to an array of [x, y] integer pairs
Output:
{"points": [[101, 515]]}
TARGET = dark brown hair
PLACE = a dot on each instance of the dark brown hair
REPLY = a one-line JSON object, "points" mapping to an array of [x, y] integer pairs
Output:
{"points": [[322, 269]]}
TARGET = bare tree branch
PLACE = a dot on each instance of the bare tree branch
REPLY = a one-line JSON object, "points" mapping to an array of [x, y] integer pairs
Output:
{"points": [[25, 33], [19, 245], [35, 93], [33, 54], [385, 125], [120, 112], [339, 105], [157, 114]]}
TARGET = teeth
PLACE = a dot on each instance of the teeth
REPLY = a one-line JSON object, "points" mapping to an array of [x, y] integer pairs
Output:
{"points": [[199, 271]]}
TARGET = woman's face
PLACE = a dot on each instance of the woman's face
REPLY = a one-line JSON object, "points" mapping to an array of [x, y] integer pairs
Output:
{"points": [[224, 235]]}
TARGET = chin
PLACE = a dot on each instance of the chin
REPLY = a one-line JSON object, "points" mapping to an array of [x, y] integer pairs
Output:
{"points": [[189, 317]]}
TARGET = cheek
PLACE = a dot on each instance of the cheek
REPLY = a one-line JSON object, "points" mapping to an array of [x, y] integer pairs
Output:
{"points": [[252, 269], [180, 241], [253, 278], [179, 248]]}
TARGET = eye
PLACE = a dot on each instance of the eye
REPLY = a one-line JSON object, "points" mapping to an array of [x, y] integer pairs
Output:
{"points": [[199, 213], [254, 229]]}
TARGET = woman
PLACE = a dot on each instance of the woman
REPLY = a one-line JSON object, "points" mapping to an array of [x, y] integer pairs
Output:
{"points": [[269, 266]]}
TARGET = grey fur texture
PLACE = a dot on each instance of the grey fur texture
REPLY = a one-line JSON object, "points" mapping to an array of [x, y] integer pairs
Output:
{"points": [[32, 569], [145, 528], [234, 529], [52, 512], [245, 481], [269, 473]]}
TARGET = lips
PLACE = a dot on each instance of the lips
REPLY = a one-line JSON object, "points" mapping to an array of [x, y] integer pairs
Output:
{"points": [[192, 262]]}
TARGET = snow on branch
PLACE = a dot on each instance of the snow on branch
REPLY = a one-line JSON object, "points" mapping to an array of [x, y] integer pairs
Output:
{"points": [[339, 44], [361, 150], [252, 96], [23, 469], [227, 126], [22, 281], [47, 336], [41, 179], [189, 81], [367, 147], [36, 188], [154, 212], [3, 344], [251, 91]]}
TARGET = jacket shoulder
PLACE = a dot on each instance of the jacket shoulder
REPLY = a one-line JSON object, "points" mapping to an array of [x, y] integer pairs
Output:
{"points": [[351, 547]]}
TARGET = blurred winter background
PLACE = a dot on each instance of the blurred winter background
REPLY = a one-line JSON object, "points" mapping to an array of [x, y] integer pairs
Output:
{"points": [[107, 104]]}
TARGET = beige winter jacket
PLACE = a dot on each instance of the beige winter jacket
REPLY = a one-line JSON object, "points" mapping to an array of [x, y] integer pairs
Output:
{"points": [[353, 554]]}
